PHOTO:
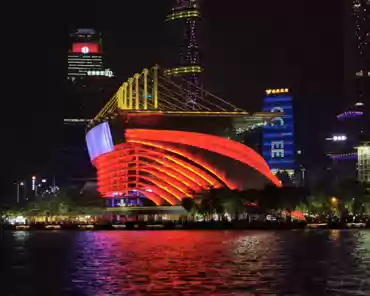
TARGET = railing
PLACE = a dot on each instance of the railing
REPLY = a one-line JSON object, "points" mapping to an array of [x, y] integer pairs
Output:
{"points": [[152, 90]]}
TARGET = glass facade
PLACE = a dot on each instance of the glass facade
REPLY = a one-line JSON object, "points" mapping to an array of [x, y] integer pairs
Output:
{"points": [[278, 137]]}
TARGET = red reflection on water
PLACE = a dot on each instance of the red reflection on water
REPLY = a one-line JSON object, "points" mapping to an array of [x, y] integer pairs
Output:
{"points": [[156, 262]]}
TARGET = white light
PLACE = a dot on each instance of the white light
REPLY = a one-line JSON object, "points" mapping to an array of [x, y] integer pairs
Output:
{"points": [[339, 138], [33, 183], [43, 180], [85, 49], [17, 220], [22, 184]]}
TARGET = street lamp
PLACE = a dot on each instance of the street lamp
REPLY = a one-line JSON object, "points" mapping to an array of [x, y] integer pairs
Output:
{"points": [[334, 200], [18, 184]]}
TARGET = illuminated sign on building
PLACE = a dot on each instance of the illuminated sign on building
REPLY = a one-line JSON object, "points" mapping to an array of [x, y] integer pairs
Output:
{"points": [[85, 48], [278, 136], [106, 73]]}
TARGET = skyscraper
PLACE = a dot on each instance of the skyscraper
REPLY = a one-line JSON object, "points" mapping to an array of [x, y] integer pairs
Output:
{"points": [[86, 56], [361, 25], [91, 82], [89, 85], [183, 54], [278, 137]]}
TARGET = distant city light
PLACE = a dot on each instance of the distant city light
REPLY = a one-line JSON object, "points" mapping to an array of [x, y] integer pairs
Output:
{"points": [[106, 73], [350, 114], [43, 180], [277, 91], [33, 183], [339, 138], [17, 220]]}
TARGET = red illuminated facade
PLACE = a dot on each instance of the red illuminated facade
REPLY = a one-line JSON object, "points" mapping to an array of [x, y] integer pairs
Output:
{"points": [[162, 166]]}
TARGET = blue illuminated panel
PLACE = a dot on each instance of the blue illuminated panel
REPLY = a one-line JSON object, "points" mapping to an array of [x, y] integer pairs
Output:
{"points": [[99, 141], [278, 137]]}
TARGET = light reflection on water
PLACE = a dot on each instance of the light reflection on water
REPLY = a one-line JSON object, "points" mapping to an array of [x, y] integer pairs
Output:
{"points": [[186, 263]]}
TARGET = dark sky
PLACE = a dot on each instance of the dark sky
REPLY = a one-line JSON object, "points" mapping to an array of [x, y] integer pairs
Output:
{"points": [[248, 46]]}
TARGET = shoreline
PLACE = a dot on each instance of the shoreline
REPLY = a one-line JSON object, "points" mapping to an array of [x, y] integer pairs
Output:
{"points": [[137, 226]]}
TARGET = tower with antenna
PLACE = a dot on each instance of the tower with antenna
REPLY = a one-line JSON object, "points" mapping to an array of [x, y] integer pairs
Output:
{"points": [[183, 54]]}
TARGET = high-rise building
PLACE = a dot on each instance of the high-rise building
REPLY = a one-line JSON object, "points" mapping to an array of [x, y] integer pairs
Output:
{"points": [[89, 85], [91, 82], [354, 123], [183, 53], [341, 144], [86, 56], [364, 162], [278, 137], [361, 26]]}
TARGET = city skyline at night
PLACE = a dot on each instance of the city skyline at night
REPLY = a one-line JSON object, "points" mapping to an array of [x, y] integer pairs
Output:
{"points": [[242, 58], [185, 147]]}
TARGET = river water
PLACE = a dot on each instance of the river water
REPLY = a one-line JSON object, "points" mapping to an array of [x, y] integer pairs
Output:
{"points": [[185, 263]]}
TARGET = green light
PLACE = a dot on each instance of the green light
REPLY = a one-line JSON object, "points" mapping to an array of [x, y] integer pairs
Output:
{"points": [[183, 70], [183, 14]]}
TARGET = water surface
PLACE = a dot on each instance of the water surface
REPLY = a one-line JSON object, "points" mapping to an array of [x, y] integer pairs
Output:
{"points": [[185, 263]]}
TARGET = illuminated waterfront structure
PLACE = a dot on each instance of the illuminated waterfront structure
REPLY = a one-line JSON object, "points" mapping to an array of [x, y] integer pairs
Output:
{"points": [[147, 146], [278, 137], [183, 53], [364, 162]]}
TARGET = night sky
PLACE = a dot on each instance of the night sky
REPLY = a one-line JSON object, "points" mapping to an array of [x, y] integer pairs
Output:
{"points": [[247, 46]]}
